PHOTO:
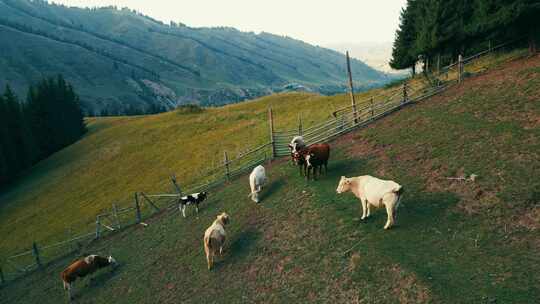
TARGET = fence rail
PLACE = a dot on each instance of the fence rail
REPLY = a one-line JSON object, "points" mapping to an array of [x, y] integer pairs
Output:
{"points": [[144, 205]]}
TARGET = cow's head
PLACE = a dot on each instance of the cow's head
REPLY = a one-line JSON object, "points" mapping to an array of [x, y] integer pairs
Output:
{"points": [[203, 195], [223, 218], [298, 158], [344, 185], [112, 261]]}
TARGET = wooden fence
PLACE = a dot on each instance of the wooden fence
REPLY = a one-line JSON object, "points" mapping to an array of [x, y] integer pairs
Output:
{"points": [[144, 205]]}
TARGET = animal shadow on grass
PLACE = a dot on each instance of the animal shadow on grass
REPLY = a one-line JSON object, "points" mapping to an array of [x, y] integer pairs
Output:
{"points": [[98, 281], [336, 169], [274, 187], [240, 247], [416, 211], [347, 167]]}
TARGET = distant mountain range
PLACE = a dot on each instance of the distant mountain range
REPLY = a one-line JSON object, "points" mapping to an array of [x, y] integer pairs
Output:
{"points": [[118, 59], [375, 54]]}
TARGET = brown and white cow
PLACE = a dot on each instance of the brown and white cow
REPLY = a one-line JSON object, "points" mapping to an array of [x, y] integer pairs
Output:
{"points": [[297, 144], [83, 267]]}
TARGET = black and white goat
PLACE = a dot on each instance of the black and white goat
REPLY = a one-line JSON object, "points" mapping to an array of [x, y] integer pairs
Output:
{"points": [[194, 198]]}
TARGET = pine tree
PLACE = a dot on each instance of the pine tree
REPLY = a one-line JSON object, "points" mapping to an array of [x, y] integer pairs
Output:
{"points": [[403, 54]]}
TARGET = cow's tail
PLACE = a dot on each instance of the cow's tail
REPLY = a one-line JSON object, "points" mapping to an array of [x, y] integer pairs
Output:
{"points": [[399, 192]]}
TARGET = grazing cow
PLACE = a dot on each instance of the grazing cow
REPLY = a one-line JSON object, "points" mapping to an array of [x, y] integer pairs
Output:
{"points": [[214, 238], [83, 267], [257, 178], [374, 192], [316, 156], [190, 199]]}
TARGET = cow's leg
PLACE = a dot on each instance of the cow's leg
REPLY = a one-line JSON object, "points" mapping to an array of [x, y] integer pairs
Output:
{"points": [[207, 252], [197, 208], [184, 210], [220, 250], [70, 294], [210, 259], [364, 207], [390, 213], [368, 207]]}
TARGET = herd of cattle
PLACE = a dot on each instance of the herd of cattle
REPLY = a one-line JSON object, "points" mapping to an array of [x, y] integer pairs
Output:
{"points": [[370, 190]]}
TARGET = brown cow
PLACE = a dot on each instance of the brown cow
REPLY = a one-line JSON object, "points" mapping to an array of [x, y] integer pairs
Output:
{"points": [[83, 267], [316, 156]]}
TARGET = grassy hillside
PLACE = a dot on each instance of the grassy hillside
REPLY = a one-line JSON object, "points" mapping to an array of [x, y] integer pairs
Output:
{"points": [[456, 241], [138, 61], [120, 156]]}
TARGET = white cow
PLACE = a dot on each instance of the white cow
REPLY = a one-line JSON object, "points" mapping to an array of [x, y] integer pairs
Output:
{"points": [[297, 143], [257, 178], [374, 192]]}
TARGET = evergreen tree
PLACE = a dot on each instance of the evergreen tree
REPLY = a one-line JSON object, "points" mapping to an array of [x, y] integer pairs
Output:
{"points": [[435, 28], [403, 55]]}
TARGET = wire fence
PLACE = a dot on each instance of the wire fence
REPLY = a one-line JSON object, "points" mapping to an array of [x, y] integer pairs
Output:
{"points": [[342, 120]]}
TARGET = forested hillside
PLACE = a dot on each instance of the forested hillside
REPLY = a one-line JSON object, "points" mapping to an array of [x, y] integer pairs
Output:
{"points": [[436, 31], [49, 120], [120, 60]]}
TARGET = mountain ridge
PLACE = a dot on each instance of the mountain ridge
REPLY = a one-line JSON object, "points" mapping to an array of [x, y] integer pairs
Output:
{"points": [[143, 62]]}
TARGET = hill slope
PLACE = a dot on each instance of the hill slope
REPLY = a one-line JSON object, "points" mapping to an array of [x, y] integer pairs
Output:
{"points": [[456, 242], [119, 58]]}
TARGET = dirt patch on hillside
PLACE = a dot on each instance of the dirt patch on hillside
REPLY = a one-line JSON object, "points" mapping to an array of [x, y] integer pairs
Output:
{"points": [[529, 219], [408, 288]]}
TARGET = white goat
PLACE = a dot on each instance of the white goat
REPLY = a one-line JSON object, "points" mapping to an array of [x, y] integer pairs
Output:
{"points": [[374, 192], [257, 178]]}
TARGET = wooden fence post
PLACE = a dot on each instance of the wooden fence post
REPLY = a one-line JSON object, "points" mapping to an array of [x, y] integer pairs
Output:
{"points": [[2, 279], [372, 109], [98, 226], [438, 63], [405, 94], [137, 209], [271, 125], [460, 68], [351, 88], [300, 124], [226, 164], [35, 253], [175, 184], [115, 215]]}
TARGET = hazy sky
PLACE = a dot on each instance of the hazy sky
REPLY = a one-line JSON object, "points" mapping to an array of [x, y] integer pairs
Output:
{"points": [[315, 21]]}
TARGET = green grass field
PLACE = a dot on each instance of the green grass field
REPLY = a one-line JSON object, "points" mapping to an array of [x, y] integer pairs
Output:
{"points": [[455, 242]]}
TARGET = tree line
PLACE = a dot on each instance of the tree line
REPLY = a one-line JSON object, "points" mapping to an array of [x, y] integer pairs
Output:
{"points": [[432, 30], [50, 119]]}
